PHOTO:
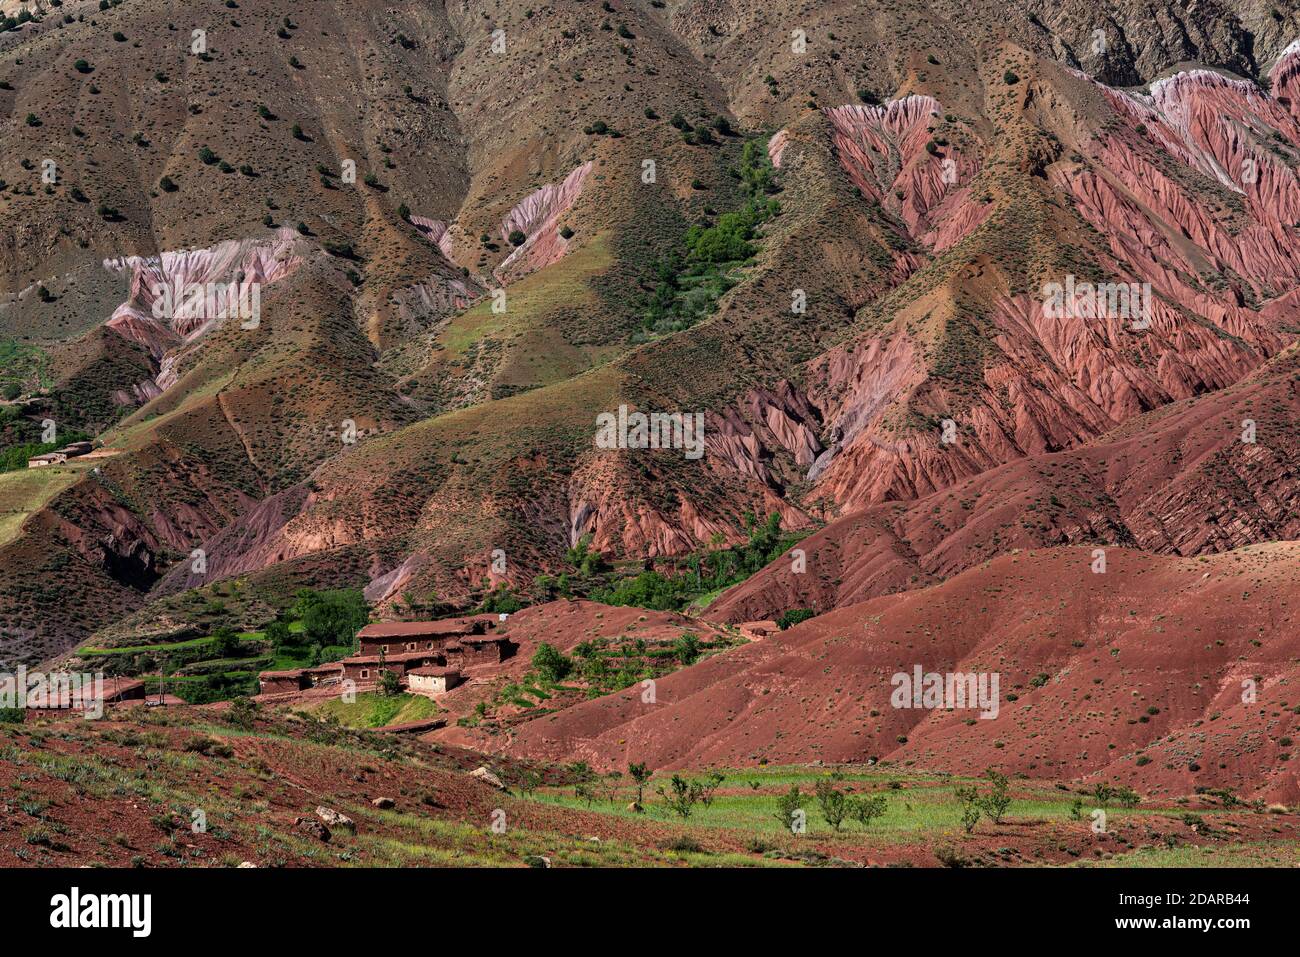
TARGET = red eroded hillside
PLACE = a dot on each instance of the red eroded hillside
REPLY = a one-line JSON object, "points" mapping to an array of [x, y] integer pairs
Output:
{"points": [[1178, 480], [1136, 674]]}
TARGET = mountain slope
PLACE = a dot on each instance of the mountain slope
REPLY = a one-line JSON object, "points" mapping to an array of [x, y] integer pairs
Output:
{"points": [[1149, 659]]}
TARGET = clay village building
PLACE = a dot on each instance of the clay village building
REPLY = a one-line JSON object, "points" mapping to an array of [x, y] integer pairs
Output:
{"points": [[432, 680], [58, 456], [390, 637], [364, 669], [299, 679], [426, 656]]}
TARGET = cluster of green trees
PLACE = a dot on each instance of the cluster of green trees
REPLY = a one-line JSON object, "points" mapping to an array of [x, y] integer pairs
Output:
{"points": [[792, 617], [707, 571], [606, 671], [836, 805], [330, 619], [729, 240], [687, 283]]}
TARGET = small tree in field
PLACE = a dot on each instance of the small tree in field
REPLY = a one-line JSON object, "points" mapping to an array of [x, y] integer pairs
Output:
{"points": [[833, 802], [788, 805], [996, 802], [970, 806], [712, 781], [680, 796], [640, 775], [866, 809]]}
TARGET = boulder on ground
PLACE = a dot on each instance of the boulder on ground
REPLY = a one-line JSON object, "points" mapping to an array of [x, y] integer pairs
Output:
{"points": [[383, 803], [334, 818], [312, 828], [487, 777]]}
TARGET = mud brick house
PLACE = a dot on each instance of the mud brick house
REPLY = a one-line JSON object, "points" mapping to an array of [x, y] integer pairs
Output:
{"points": [[477, 650], [392, 637], [431, 680], [49, 458], [403, 647], [272, 682], [365, 668], [59, 456], [299, 679]]}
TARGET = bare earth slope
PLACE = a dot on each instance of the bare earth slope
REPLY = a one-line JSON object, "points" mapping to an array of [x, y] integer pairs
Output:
{"points": [[1137, 673]]}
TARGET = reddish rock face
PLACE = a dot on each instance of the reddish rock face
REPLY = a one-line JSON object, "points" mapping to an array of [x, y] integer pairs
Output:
{"points": [[883, 149], [160, 314], [437, 232], [538, 218], [1194, 193], [1179, 480]]}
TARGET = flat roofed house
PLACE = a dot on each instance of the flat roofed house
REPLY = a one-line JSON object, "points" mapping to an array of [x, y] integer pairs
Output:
{"points": [[394, 637], [272, 682], [361, 668], [432, 679], [49, 458], [478, 649]]}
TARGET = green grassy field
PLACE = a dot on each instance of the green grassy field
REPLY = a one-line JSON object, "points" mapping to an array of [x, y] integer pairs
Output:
{"points": [[26, 491], [1248, 854], [372, 710], [918, 806]]}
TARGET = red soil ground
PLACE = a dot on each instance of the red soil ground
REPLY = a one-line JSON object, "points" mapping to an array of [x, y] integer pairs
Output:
{"points": [[1134, 675]]}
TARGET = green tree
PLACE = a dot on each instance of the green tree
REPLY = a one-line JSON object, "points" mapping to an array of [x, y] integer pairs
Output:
{"points": [[687, 648], [332, 617], [996, 802], [282, 640], [680, 796], [867, 808], [225, 643], [789, 619], [969, 798], [550, 663], [712, 781], [387, 683], [787, 805], [833, 803], [640, 774]]}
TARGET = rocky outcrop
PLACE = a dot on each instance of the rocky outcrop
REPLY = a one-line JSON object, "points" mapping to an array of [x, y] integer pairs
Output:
{"points": [[889, 154], [437, 233], [163, 314], [621, 523], [1229, 131], [1049, 381], [418, 304], [538, 218], [780, 419], [1177, 480]]}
